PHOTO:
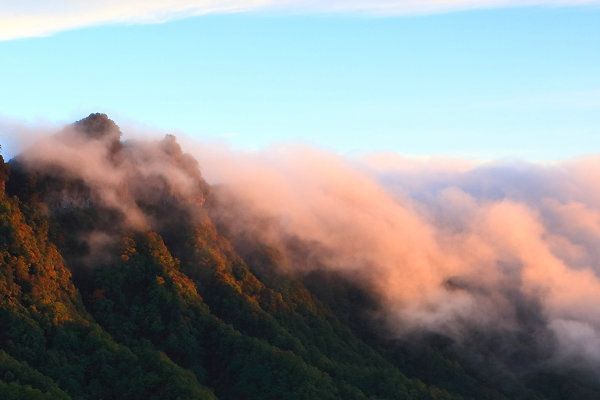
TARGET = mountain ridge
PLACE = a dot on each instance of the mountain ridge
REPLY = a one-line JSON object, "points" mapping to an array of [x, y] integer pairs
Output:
{"points": [[167, 305]]}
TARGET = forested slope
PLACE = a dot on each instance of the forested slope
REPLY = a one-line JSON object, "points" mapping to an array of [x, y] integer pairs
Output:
{"points": [[94, 305]]}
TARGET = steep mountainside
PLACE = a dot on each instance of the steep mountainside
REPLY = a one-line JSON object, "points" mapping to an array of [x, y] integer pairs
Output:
{"points": [[131, 289]]}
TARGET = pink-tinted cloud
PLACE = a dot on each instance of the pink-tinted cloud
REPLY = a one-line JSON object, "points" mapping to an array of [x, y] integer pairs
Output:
{"points": [[446, 245], [26, 18]]}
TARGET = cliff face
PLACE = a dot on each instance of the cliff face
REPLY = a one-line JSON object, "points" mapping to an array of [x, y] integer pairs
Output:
{"points": [[116, 283]]}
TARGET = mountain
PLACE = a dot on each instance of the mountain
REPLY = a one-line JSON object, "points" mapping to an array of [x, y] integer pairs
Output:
{"points": [[119, 279]]}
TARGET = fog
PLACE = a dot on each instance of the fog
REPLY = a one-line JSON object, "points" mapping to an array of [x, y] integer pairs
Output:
{"points": [[446, 245]]}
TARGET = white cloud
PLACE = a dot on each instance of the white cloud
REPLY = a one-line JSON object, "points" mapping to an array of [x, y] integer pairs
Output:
{"points": [[26, 18]]}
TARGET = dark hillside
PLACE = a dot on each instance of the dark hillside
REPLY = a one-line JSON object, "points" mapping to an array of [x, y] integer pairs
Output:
{"points": [[96, 304]]}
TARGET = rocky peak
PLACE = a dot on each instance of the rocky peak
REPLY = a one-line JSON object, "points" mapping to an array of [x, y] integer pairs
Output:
{"points": [[98, 126]]}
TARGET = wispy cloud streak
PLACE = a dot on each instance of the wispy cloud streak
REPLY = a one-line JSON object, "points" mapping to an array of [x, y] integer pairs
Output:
{"points": [[27, 18]]}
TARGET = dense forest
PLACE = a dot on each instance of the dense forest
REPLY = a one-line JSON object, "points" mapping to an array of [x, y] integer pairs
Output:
{"points": [[96, 304]]}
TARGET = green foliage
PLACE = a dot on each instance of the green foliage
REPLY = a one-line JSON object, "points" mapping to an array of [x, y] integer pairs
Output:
{"points": [[179, 313], [45, 325], [145, 296], [20, 381]]}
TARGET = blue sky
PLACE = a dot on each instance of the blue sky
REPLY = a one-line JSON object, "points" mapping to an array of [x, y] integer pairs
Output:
{"points": [[510, 82]]}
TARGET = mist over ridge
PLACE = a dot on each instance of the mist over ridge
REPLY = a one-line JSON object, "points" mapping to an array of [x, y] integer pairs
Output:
{"points": [[443, 248], [498, 257]]}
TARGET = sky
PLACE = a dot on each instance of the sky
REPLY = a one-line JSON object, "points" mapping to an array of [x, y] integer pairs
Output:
{"points": [[465, 78]]}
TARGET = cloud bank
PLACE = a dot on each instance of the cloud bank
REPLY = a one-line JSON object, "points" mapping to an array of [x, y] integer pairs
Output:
{"points": [[448, 246], [27, 18]]}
